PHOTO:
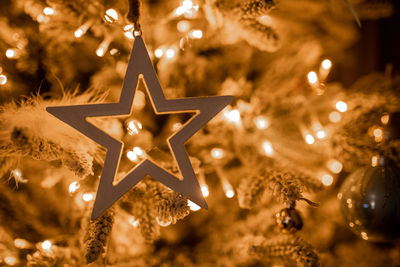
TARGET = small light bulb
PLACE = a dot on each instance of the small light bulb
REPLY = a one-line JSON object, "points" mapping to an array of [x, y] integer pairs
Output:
{"points": [[100, 52], [335, 116], [46, 245], [134, 222], [11, 53], [111, 15], [341, 106], [232, 116], [21, 243], [3, 79], [132, 156], [326, 64], [176, 126], [309, 139], [48, 11], [170, 53], [183, 26], [217, 153], [134, 127], [230, 193], [74, 186], [327, 179], [321, 134], [158, 53], [187, 4], [364, 235], [10, 260], [129, 35], [196, 34], [79, 32], [204, 190], [88, 197], [374, 161], [128, 27], [335, 166], [261, 122], [138, 151], [179, 10], [312, 77], [385, 118], [193, 206], [267, 148]]}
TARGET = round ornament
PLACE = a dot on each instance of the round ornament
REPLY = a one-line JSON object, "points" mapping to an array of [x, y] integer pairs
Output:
{"points": [[370, 202], [289, 220]]}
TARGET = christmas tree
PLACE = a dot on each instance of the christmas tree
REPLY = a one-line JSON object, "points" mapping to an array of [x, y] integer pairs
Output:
{"points": [[300, 169]]}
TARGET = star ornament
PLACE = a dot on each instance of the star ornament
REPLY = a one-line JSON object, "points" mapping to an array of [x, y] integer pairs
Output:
{"points": [[204, 109]]}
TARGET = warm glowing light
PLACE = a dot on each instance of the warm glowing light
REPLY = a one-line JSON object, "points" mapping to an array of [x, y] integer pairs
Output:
{"points": [[180, 10], [232, 116], [100, 51], [138, 151], [312, 77], [114, 51], [10, 260], [88, 197], [364, 235], [11, 53], [158, 52], [40, 18], [261, 122], [335, 166], [132, 156], [134, 127], [48, 11], [327, 179], [170, 53], [17, 173], [341, 106], [183, 26], [3, 79], [378, 132], [164, 223], [74, 186], [129, 35], [21, 243], [374, 161], [309, 139], [385, 118], [321, 134], [46, 245], [133, 222], [267, 148], [196, 34], [128, 27], [111, 15], [217, 153], [326, 64], [335, 116], [204, 190], [229, 193], [193, 206], [176, 126], [187, 4], [79, 32]]}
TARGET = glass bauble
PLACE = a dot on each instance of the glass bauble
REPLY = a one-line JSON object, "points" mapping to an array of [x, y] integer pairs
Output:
{"points": [[370, 202]]}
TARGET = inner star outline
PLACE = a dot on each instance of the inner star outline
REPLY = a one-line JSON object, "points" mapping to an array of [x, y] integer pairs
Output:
{"points": [[140, 66]]}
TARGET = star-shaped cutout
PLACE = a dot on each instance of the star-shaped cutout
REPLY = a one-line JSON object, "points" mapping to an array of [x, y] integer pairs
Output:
{"points": [[140, 66]]}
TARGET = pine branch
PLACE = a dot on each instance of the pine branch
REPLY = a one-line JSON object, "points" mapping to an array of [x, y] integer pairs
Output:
{"points": [[287, 249]]}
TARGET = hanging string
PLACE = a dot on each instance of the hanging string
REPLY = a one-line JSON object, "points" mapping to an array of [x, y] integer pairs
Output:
{"points": [[134, 13]]}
